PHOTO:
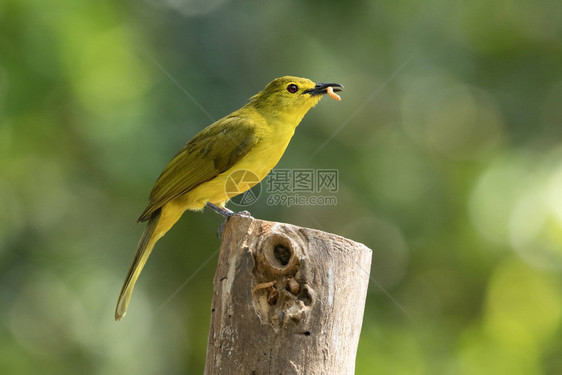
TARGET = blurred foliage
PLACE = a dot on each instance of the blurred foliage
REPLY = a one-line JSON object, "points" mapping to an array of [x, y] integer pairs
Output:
{"points": [[448, 143]]}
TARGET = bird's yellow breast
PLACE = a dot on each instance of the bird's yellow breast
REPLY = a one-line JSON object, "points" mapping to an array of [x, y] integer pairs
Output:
{"points": [[273, 141]]}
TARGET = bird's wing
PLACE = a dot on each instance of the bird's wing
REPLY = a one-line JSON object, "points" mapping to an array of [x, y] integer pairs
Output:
{"points": [[212, 151]]}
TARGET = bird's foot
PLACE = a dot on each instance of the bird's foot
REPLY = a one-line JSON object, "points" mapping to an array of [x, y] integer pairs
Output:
{"points": [[221, 228], [226, 214]]}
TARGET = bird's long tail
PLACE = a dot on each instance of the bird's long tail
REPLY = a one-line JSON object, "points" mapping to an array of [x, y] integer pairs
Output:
{"points": [[144, 248]]}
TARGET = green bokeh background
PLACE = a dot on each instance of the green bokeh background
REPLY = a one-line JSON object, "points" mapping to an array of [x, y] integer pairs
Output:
{"points": [[448, 143]]}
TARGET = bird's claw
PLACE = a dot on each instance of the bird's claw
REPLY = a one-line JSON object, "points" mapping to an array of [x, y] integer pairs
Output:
{"points": [[226, 214], [226, 217], [221, 228]]}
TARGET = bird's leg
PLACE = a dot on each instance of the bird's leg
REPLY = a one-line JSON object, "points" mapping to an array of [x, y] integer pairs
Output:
{"points": [[225, 213]]}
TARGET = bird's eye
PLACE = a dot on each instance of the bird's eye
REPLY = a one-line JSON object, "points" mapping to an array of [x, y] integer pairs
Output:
{"points": [[292, 88]]}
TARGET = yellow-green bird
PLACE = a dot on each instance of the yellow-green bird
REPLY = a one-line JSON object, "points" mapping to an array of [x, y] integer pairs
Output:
{"points": [[252, 138]]}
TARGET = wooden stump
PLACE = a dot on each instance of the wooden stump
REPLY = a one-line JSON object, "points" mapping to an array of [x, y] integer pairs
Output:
{"points": [[287, 300]]}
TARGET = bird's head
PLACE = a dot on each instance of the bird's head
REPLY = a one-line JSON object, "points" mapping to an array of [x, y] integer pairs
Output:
{"points": [[291, 96]]}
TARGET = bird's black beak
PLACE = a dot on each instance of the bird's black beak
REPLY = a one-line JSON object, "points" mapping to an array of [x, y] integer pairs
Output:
{"points": [[321, 88]]}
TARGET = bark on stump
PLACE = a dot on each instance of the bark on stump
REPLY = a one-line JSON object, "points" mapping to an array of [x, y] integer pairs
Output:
{"points": [[287, 300]]}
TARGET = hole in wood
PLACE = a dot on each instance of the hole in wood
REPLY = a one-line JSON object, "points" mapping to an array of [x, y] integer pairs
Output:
{"points": [[306, 295], [277, 255], [272, 296], [282, 254]]}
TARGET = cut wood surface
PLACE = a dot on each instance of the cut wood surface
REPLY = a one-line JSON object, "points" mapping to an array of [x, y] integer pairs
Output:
{"points": [[286, 300]]}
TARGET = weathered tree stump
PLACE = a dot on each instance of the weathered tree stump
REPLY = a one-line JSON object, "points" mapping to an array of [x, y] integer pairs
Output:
{"points": [[287, 300]]}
